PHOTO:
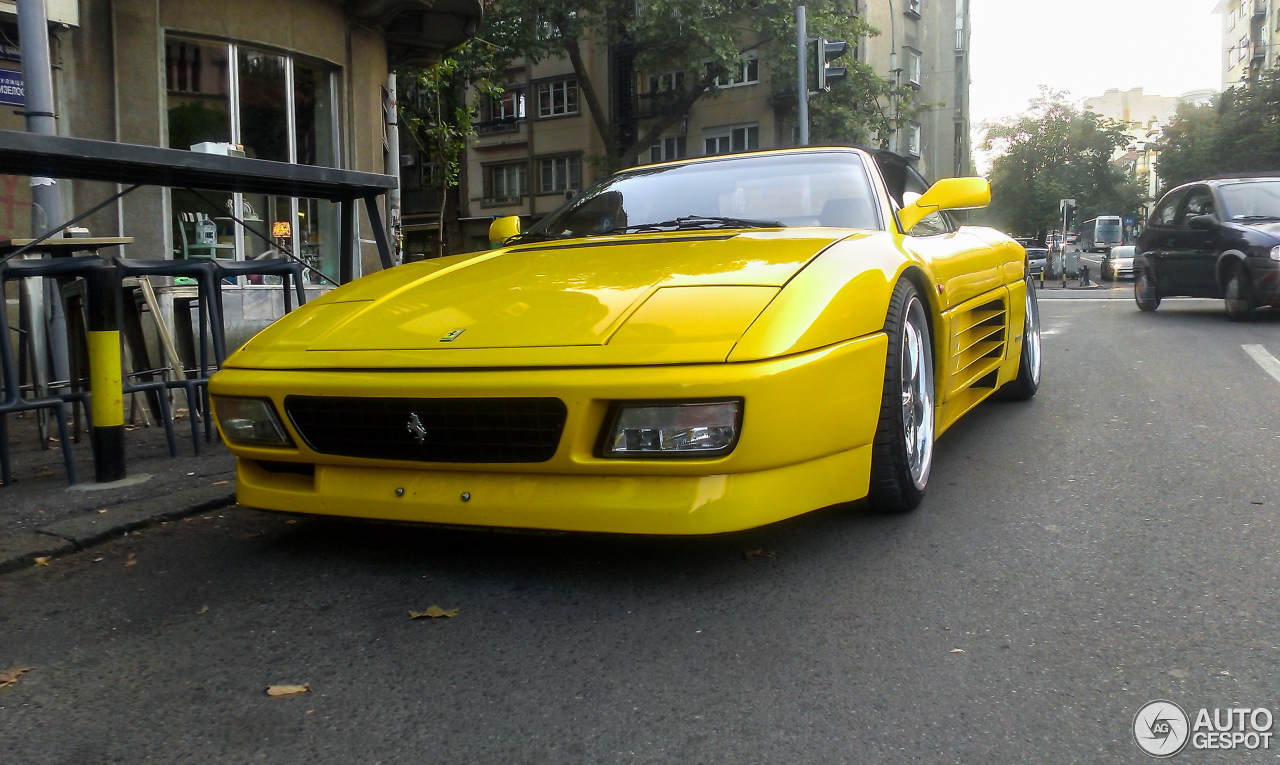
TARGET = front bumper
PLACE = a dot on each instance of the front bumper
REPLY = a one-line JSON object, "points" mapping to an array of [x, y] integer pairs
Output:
{"points": [[807, 426]]}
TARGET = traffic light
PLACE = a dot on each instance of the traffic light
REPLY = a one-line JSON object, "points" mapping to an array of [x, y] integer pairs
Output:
{"points": [[823, 52]]}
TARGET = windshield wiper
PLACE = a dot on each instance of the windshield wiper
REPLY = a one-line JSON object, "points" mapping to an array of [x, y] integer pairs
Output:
{"points": [[702, 221], [534, 236], [1254, 218]]}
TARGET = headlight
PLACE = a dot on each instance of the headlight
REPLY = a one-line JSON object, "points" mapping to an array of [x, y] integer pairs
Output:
{"points": [[686, 429], [1275, 252], [250, 422]]}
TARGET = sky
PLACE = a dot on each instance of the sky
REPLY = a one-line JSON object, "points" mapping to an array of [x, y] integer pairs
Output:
{"points": [[1165, 47]]}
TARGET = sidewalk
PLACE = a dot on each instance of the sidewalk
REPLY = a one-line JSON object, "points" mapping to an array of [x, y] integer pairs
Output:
{"points": [[40, 515], [1053, 290]]}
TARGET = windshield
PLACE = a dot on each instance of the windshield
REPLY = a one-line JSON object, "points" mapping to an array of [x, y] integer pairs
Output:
{"points": [[1259, 200], [1108, 230], [819, 189], [1122, 252]]}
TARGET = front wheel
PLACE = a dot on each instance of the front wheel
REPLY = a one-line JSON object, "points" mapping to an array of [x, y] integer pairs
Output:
{"points": [[1027, 383], [1144, 291], [1241, 302], [902, 453]]}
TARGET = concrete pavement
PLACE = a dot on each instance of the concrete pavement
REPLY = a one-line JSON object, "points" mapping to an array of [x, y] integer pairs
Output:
{"points": [[1111, 542]]}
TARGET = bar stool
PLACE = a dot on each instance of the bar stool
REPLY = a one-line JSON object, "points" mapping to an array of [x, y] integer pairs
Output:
{"points": [[210, 321], [289, 271], [12, 400]]}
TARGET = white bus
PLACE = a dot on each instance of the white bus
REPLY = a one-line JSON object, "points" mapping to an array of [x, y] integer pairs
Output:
{"points": [[1101, 234]]}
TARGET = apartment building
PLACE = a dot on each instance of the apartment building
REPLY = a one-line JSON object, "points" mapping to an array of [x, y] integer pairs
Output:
{"points": [[925, 45], [1250, 38], [537, 144]]}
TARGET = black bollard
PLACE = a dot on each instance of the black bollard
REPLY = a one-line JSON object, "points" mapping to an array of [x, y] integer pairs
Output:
{"points": [[105, 386]]}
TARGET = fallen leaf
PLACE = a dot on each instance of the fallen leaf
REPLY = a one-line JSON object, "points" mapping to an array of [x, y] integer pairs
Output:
{"points": [[43, 560], [220, 483], [251, 535], [203, 610], [957, 650], [291, 520], [433, 612], [10, 676], [753, 554], [287, 690], [103, 510], [44, 474], [131, 563]]}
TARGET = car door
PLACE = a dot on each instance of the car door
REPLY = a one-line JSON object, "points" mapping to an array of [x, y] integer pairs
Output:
{"points": [[1157, 240], [1194, 252]]}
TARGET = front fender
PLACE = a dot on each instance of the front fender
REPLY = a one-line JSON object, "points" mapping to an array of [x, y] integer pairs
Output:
{"points": [[844, 293]]}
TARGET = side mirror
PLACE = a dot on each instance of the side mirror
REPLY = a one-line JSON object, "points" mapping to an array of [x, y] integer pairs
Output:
{"points": [[946, 194], [503, 229], [1203, 222]]}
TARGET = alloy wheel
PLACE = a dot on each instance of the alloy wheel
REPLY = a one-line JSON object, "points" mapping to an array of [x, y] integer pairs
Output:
{"points": [[917, 395]]}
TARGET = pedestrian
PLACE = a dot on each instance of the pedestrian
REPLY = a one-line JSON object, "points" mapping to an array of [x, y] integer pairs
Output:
{"points": [[1084, 274]]}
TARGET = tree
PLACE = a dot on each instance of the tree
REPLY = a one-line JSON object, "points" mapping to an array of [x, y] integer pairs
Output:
{"points": [[1238, 132], [1052, 152]]}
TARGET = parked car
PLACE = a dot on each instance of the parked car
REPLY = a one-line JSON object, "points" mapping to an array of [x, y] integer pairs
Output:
{"points": [[684, 348], [1215, 239], [1037, 254]]}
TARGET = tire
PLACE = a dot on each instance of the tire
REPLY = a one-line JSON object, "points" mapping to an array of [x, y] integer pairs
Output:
{"points": [[1031, 360], [1241, 302], [1144, 291], [1107, 274], [902, 452]]}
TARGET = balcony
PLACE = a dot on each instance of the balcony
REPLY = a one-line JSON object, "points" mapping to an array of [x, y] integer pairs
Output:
{"points": [[1259, 9], [1259, 55], [498, 126], [660, 104]]}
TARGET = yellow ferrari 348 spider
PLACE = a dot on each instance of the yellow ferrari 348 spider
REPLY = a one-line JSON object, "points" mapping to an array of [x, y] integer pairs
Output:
{"points": [[686, 348]]}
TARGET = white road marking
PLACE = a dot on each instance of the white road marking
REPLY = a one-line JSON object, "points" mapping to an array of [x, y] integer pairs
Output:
{"points": [[1270, 364]]}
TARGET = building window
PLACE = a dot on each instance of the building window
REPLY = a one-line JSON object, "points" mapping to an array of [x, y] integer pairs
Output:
{"points": [[559, 174], [667, 149], [746, 73], [503, 113], [505, 184], [558, 98], [666, 82], [278, 107], [913, 7], [913, 139], [915, 63], [731, 139]]}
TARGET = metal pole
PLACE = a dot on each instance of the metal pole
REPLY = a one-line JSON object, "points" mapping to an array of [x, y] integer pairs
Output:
{"points": [[802, 74], [105, 383], [393, 148], [46, 206]]}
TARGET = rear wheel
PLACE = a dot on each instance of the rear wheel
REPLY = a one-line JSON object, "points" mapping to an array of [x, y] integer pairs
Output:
{"points": [[902, 453], [1025, 385], [1241, 302], [1144, 291]]}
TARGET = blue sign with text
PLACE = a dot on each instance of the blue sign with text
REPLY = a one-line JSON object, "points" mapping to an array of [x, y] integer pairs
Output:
{"points": [[1128, 220], [11, 91]]}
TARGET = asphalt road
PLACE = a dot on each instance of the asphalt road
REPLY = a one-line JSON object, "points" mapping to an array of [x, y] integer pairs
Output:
{"points": [[1112, 542]]}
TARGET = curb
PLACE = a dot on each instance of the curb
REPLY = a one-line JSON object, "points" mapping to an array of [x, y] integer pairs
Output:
{"points": [[74, 534]]}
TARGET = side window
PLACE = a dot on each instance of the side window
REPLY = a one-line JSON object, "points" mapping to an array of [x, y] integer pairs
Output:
{"points": [[1199, 202], [931, 226], [1163, 215]]}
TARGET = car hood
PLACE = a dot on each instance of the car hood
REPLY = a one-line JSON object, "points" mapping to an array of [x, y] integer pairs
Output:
{"points": [[659, 298]]}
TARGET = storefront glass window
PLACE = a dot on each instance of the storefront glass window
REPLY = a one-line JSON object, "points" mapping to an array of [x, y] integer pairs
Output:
{"points": [[271, 120], [264, 116], [198, 77], [313, 110]]}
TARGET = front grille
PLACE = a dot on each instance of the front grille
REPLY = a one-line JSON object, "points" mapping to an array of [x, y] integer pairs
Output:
{"points": [[430, 429]]}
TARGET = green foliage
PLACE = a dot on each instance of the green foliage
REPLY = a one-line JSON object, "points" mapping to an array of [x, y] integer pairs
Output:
{"points": [[1052, 152], [1239, 132]]}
